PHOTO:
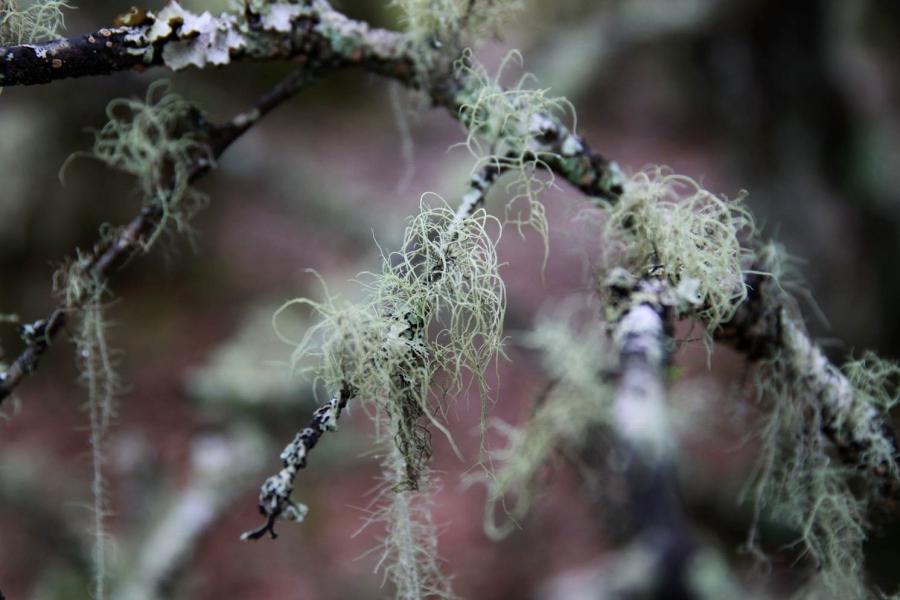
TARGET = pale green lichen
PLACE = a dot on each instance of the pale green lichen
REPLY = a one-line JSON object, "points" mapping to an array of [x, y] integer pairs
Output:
{"points": [[87, 297], [504, 127], [439, 29], [157, 141], [408, 554], [436, 307], [875, 380], [804, 482], [668, 226], [576, 357], [799, 484], [824, 456], [31, 20]]}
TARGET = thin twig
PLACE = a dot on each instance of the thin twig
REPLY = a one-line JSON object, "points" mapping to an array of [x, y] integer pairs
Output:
{"points": [[127, 244]]}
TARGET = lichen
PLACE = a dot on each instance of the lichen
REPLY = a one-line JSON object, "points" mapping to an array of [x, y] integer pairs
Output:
{"points": [[805, 482], [504, 128], [408, 554], [435, 308], [667, 225], [188, 38], [156, 140], [577, 404], [97, 362], [439, 29], [205, 39], [36, 21], [799, 484]]}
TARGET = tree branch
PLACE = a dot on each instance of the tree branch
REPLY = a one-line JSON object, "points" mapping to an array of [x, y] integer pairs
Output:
{"points": [[763, 328], [275, 494], [105, 257], [313, 34], [642, 337]]}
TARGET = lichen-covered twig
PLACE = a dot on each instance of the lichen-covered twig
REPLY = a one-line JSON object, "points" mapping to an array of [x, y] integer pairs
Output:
{"points": [[706, 248], [275, 495], [765, 327], [311, 33], [408, 327], [640, 422], [107, 255]]}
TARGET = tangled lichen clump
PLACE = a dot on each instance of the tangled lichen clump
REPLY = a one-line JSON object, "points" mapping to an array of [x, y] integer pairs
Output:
{"points": [[576, 358], [504, 128], [35, 21], [668, 224], [158, 141], [436, 307]]}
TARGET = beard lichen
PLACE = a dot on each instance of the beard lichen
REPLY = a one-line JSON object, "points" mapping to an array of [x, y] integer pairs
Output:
{"points": [[31, 20], [667, 224], [438, 29], [824, 455], [97, 362], [504, 128], [437, 306], [435, 309], [799, 484], [408, 552], [577, 404], [804, 481], [157, 140]]}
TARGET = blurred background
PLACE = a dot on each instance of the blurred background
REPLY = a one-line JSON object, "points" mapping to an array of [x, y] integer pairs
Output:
{"points": [[796, 102]]}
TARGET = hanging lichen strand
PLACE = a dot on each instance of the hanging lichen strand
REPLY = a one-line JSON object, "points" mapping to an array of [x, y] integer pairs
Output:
{"points": [[156, 140], [97, 365], [576, 357], [825, 460]]}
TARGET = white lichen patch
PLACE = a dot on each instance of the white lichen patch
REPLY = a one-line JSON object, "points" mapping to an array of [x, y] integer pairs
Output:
{"points": [[280, 17], [191, 39], [210, 40]]}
